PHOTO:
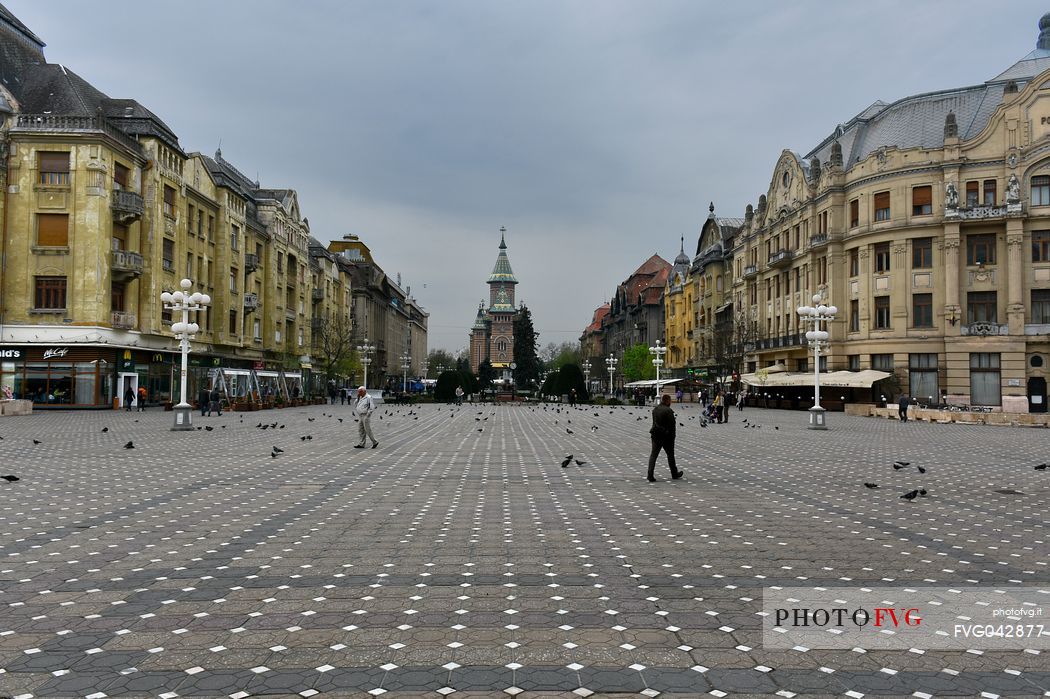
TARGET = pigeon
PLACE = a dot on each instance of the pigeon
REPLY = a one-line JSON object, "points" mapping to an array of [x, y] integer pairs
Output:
{"points": [[922, 492], [37, 441], [11, 479], [922, 469], [910, 495], [209, 428], [105, 429], [341, 419], [311, 419], [566, 461], [871, 485], [302, 439], [580, 463], [273, 455], [1041, 467], [568, 431], [130, 445], [776, 427], [898, 466], [278, 450]]}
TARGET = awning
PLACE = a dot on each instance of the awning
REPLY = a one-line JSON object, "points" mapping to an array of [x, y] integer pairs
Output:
{"points": [[832, 379], [651, 383]]}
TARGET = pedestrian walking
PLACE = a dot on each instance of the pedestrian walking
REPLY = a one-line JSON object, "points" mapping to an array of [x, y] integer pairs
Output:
{"points": [[203, 399], [740, 401], [719, 404], [142, 399], [215, 401], [902, 407], [662, 434], [331, 391], [364, 408], [678, 395], [572, 398], [344, 395], [129, 398], [459, 395]]}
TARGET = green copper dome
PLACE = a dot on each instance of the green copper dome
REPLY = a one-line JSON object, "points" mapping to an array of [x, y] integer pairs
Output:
{"points": [[502, 271]]}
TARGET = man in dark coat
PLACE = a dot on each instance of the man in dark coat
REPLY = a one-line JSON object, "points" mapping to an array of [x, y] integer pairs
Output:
{"points": [[663, 434], [902, 407], [203, 399], [216, 402]]}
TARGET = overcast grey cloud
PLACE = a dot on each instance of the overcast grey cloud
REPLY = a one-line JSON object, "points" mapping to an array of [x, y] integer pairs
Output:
{"points": [[596, 131]]}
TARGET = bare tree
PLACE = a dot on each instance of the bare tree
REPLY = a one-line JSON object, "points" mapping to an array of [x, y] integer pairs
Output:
{"points": [[334, 348], [730, 341]]}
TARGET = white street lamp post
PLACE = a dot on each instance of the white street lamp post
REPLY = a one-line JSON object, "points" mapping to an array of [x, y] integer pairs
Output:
{"points": [[406, 363], [611, 362], [184, 302], [658, 350], [815, 316], [587, 375], [365, 351]]}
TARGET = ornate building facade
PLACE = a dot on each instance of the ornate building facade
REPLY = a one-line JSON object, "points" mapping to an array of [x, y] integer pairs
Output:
{"points": [[492, 334], [926, 221]]}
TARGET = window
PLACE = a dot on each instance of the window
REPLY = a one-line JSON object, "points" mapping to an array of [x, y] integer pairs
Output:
{"points": [[1041, 306], [120, 176], [882, 257], [169, 202], [54, 168], [256, 331], [922, 376], [235, 237], [854, 209], [803, 365], [52, 230], [211, 228], [1041, 190], [922, 200], [973, 193], [117, 296], [189, 265], [233, 281], [200, 223], [922, 253], [882, 312], [280, 263], [882, 362], [233, 322], [989, 192], [922, 310], [854, 316], [120, 237], [854, 262], [50, 293], [980, 249], [1040, 246], [984, 379], [853, 362], [168, 255], [981, 307], [882, 206]]}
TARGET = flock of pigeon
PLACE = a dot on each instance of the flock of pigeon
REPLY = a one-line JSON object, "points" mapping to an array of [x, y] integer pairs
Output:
{"points": [[911, 494]]}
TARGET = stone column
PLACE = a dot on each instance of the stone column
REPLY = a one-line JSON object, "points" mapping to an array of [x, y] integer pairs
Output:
{"points": [[1015, 304], [951, 278]]}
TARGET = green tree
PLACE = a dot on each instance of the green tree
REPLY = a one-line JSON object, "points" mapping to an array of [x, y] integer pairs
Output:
{"points": [[637, 364], [566, 353], [439, 358], [552, 384], [526, 362], [486, 374], [570, 377], [445, 389]]}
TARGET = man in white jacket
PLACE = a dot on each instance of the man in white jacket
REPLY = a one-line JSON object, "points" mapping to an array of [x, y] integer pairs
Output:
{"points": [[364, 408]]}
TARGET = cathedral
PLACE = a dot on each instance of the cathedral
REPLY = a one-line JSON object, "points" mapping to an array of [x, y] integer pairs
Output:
{"points": [[492, 335]]}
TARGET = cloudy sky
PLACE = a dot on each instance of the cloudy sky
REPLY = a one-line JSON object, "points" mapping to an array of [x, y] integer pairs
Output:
{"points": [[596, 131]]}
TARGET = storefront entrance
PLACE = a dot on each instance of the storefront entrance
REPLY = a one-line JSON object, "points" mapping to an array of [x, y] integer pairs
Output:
{"points": [[125, 381], [1037, 394]]}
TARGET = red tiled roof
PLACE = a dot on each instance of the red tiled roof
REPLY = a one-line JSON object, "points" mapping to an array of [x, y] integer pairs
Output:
{"points": [[596, 321]]}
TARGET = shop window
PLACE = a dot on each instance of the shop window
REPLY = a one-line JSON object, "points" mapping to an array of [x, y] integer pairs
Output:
{"points": [[54, 168], [922, 200], [922, 376], [985, 386], [52, 230]]}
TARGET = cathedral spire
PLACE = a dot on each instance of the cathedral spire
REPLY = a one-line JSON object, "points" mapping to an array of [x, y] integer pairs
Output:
{"points": [[502, 272]]}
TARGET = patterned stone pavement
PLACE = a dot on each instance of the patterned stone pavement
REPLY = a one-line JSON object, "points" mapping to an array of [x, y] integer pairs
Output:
{"points": [[460, 559]]}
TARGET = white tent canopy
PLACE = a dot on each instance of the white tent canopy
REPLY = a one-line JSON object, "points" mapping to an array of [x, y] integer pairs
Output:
{"points": [[832, 379], [651, 383]]}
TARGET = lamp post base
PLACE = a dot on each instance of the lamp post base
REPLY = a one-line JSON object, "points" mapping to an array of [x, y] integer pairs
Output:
{"points": [[816, 418], [183, 418]]}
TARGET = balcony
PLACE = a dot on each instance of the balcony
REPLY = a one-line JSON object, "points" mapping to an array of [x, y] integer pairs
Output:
{"points": [[289, 314], [317, 295], [126, 206], [123, 320], [251, 262], [985, 329], [126, 265], [316, 324], [793, 340], [819, 240], [750, 271], [251, 301], [55, 123], [780, 258]]}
